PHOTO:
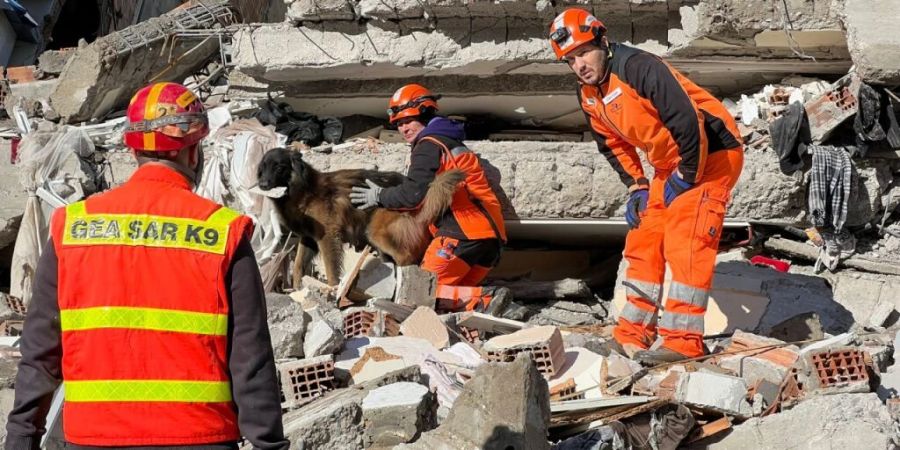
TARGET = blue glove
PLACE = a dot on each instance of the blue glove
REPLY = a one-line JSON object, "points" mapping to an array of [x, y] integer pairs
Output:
{"points": [[674, 187], [637, 203]]}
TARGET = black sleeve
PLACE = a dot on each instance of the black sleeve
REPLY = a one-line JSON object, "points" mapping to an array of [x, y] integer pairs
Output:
{"points": [[654, 80], [40, 371], [251, 361], [423, 166]]}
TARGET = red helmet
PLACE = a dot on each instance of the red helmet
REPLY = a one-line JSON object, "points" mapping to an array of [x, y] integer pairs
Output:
{"points": [[410, 101], [165, 117], [572, 28]]}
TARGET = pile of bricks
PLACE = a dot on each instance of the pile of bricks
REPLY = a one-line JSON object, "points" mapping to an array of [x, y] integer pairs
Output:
{"points": [[305, 379]]}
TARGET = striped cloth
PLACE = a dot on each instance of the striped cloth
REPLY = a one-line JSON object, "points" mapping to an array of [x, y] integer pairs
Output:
{"points": [[829, 186]]}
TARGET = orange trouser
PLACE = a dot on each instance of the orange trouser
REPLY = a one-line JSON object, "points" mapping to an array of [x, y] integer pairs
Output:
{"points": [[686, 236], [460, 267]]}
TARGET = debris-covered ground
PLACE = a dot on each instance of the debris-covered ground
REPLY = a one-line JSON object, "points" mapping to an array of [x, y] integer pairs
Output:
{"points": [[804, 312]]}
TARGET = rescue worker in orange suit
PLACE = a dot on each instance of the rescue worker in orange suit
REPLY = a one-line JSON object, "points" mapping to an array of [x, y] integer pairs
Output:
{"points": [[469, 237], [634, 100], [148, 307]]}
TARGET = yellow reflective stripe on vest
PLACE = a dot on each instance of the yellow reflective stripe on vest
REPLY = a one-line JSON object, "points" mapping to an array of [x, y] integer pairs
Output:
{"points": [[148, 391], [143, 319], [210, 235]]}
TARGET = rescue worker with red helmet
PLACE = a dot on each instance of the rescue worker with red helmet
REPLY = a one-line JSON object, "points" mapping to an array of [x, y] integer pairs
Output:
{"points": [[148, 307], [635, 100], [469, 236]]}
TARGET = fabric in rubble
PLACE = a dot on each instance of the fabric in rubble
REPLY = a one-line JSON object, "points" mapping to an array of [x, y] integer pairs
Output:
{"points": [[829, 186], [790, 136], [43, 155], [663, 429], [875, 120]]}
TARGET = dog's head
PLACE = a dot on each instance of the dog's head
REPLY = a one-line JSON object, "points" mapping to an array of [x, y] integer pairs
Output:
{"points": [[281, 167]]}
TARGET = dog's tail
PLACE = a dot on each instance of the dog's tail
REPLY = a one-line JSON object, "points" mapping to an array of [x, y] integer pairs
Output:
{"points": [[439, 196]]}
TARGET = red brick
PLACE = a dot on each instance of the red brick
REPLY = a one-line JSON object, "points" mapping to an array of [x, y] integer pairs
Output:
{"points": [[305, 379], [840, 367], [21, 74]]}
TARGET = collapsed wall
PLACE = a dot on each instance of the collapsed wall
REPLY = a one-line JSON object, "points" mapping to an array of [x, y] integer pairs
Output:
{"points": [[573, 181], [101, 77], [345, 57]]}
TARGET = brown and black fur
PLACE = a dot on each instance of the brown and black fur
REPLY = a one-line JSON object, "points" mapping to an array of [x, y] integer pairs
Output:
{"points": [[317, 208]]}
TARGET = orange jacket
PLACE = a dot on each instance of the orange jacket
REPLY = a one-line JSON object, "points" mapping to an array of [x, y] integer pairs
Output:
{"points": [[475, 212], [644, 103], [144, 314]]}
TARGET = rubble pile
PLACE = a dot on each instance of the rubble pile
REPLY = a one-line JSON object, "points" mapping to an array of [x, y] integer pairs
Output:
{"points": [[804, 312]]}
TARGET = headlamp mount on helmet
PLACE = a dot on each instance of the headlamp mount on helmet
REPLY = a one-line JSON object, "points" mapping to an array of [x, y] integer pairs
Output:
{"points": [[412, 104]]}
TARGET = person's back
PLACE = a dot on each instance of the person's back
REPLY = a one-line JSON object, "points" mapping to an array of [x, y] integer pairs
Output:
{"points": [[148, 307]]}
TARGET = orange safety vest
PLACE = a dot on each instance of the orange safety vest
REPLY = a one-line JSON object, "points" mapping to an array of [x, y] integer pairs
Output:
{"points": [[144, 314], [475, 208]]}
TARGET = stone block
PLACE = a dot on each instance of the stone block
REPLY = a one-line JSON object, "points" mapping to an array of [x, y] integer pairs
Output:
{"points": [[323, 337], [52, 62], [721, 393], [875, 53], [490, 414], [376, 278], [753, 369], [415, 287], [544, 344], [397, 413], [287, 326], [855, 421], [424, 323]]}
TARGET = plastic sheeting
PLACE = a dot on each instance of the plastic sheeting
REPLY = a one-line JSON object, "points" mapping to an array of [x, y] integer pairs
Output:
{"points": [[246, 141], [42, 158]]}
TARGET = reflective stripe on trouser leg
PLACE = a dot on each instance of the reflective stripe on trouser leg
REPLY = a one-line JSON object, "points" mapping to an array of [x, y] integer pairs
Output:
{"points": [[454, 298], [637, 321], [683, 318]]}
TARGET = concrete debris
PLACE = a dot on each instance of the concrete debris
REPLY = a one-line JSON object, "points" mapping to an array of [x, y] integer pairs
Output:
{"points": [[313, 293], [874, 53], [424, 323], [324, 336], [831, 421], [336, 420], [806, 326], [415, 287], [397, 413], [715, 392], [492, 414], [102, 76], [287, 326]]}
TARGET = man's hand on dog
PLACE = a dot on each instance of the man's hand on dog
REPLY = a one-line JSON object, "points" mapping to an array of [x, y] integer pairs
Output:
{"points": [[365, 197]]}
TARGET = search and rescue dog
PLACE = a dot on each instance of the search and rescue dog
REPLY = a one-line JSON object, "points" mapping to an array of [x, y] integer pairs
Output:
{"points": [[317, 208]]}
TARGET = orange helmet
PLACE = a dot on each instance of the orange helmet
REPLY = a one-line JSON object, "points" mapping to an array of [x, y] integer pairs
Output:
{"points": [[410, 101], [572, 28], [165, 117]]}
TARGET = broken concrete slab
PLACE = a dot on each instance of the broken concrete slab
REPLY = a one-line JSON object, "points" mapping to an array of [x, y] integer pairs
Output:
{"points": [[398, 413], [374, 363], [287, 326], [874, 52], [715, 392], [322, 336], [415, 287], [103, 75], [376, 278], [489, 414], [33, 97], [802, 327], [828, 421], [336, 420], [52, 62], [544, 344], [424, 323], [572, 181]]}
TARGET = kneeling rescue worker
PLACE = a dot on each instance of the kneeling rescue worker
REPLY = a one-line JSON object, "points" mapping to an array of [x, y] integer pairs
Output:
{"points": [[633, 99], [148, 307], [469, 237]]}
